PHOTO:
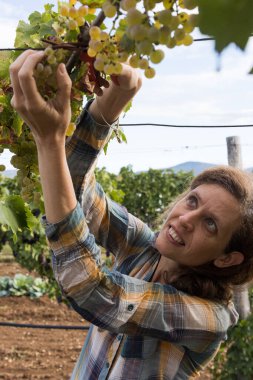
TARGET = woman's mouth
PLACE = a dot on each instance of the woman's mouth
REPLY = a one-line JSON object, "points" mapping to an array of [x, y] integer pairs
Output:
{"points": [[175, 237]]}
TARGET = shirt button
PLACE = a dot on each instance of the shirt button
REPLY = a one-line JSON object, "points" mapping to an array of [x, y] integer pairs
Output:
{"points": [[130, 307], [107, 364]]}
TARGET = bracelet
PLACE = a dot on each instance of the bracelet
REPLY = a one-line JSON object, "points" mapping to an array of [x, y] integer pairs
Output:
{"points": [[114, 128]]}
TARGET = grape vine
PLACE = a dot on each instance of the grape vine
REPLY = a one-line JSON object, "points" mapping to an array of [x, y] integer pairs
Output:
{"points": [[78, 35], [93, 38]]}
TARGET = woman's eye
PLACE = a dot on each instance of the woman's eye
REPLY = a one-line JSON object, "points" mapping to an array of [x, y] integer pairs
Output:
{"points": [[191, 201], [211, 225]]}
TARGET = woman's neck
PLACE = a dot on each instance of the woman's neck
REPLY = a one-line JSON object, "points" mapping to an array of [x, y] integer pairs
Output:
{"points": [[167, 271]]}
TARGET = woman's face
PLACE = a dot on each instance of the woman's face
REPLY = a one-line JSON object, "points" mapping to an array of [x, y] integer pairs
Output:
{"points": [[199, 226]]}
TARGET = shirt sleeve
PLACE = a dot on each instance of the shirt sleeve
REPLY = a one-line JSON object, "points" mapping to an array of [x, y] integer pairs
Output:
{"points": [[123, 304], [110, 223]]}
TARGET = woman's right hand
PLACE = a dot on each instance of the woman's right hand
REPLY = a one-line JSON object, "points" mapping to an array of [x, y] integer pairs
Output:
{"points": [[113, 99], [48, 120]]}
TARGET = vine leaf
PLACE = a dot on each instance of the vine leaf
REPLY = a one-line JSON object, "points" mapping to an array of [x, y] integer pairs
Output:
{"points": [[227, 21], [16, 214]]}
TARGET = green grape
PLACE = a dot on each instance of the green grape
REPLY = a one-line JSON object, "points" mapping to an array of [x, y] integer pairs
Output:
{"points": [[153, 34], [99, 64], [149, 4], [127, 4], [134, 17], [39, 68], [83, 11], [164, 35], [193, 19], [143, 63], [164, 17], [179, 34], [91, 53], [137, 32], [134, 61], [187, 40], [183, 17], [123, 56], [80, 20], [174, 22], [104, 35], [59, 29], [73, 13], [190, 4], [109, 69], [94, 33], [188, 27], [72, 24], [149, 72], [51, 59], [172, 43], [109, 9], [49, 51], [95, 45], [168, 4], [117, 68], [156, 56], [64, 10], [48, 71], [144, 47]]}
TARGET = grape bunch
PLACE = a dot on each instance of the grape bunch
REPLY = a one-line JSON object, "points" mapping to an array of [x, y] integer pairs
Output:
{"points": [[140, 32], [101, 34]]}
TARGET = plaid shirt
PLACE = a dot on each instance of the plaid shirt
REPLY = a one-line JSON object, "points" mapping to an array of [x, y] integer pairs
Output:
{"points": [[139, 329]]}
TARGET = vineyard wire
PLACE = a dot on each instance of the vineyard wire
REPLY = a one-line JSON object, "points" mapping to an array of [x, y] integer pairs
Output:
{"points": [[28, 325]]}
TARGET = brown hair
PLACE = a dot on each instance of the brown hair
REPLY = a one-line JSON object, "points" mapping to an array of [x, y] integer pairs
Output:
{"points": [[207, 280]]}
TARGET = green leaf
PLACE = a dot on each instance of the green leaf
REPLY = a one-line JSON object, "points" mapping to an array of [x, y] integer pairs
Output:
{"points": [[47, 29], [35, 18], [227, 21], [23, 34], [16, 214], [5, 62], [48, 7]]}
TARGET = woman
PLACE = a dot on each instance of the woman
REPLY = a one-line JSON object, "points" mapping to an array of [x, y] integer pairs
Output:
{"points": [[164, 309]]}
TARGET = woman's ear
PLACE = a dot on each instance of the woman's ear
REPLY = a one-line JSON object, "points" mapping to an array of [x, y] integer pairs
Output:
{"points": [[229, 259]]}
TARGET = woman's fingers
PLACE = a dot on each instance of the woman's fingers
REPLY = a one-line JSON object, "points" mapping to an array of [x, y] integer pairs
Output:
{"points": [[64, 84], [14, 70], [27, 82]]}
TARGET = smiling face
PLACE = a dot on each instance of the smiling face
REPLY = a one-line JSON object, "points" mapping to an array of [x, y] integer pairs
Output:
{"points": [[200, 226]]}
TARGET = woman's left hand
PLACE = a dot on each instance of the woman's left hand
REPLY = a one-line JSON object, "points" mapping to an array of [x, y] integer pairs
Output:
{"points": [[48, 120]]}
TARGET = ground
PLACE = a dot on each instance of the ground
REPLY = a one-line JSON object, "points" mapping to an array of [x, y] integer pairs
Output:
{"points": [[45, 354], [27, 353]]}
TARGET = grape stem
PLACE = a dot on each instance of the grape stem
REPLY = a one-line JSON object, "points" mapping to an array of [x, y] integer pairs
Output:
{"points": [[64, 45]]}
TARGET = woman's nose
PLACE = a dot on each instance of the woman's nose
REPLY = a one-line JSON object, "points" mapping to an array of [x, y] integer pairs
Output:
{"points": [[188, 220]]}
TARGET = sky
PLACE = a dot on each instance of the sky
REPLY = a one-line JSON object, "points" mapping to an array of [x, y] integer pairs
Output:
{"points": [[188, 90]]}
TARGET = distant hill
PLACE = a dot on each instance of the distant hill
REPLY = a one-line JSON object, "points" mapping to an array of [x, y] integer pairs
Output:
{"points": [[194, 166]]}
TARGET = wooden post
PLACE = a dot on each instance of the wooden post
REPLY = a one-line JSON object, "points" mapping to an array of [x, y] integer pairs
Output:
{"points": [[241, 294]]}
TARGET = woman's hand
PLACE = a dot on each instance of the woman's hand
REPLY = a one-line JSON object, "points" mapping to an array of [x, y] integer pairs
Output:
{"points": [[48, 120], [128, 80], [113, 99]]}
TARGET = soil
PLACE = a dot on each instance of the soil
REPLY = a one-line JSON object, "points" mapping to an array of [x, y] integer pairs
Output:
{"points": [[27, 353], [33, 354]]}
